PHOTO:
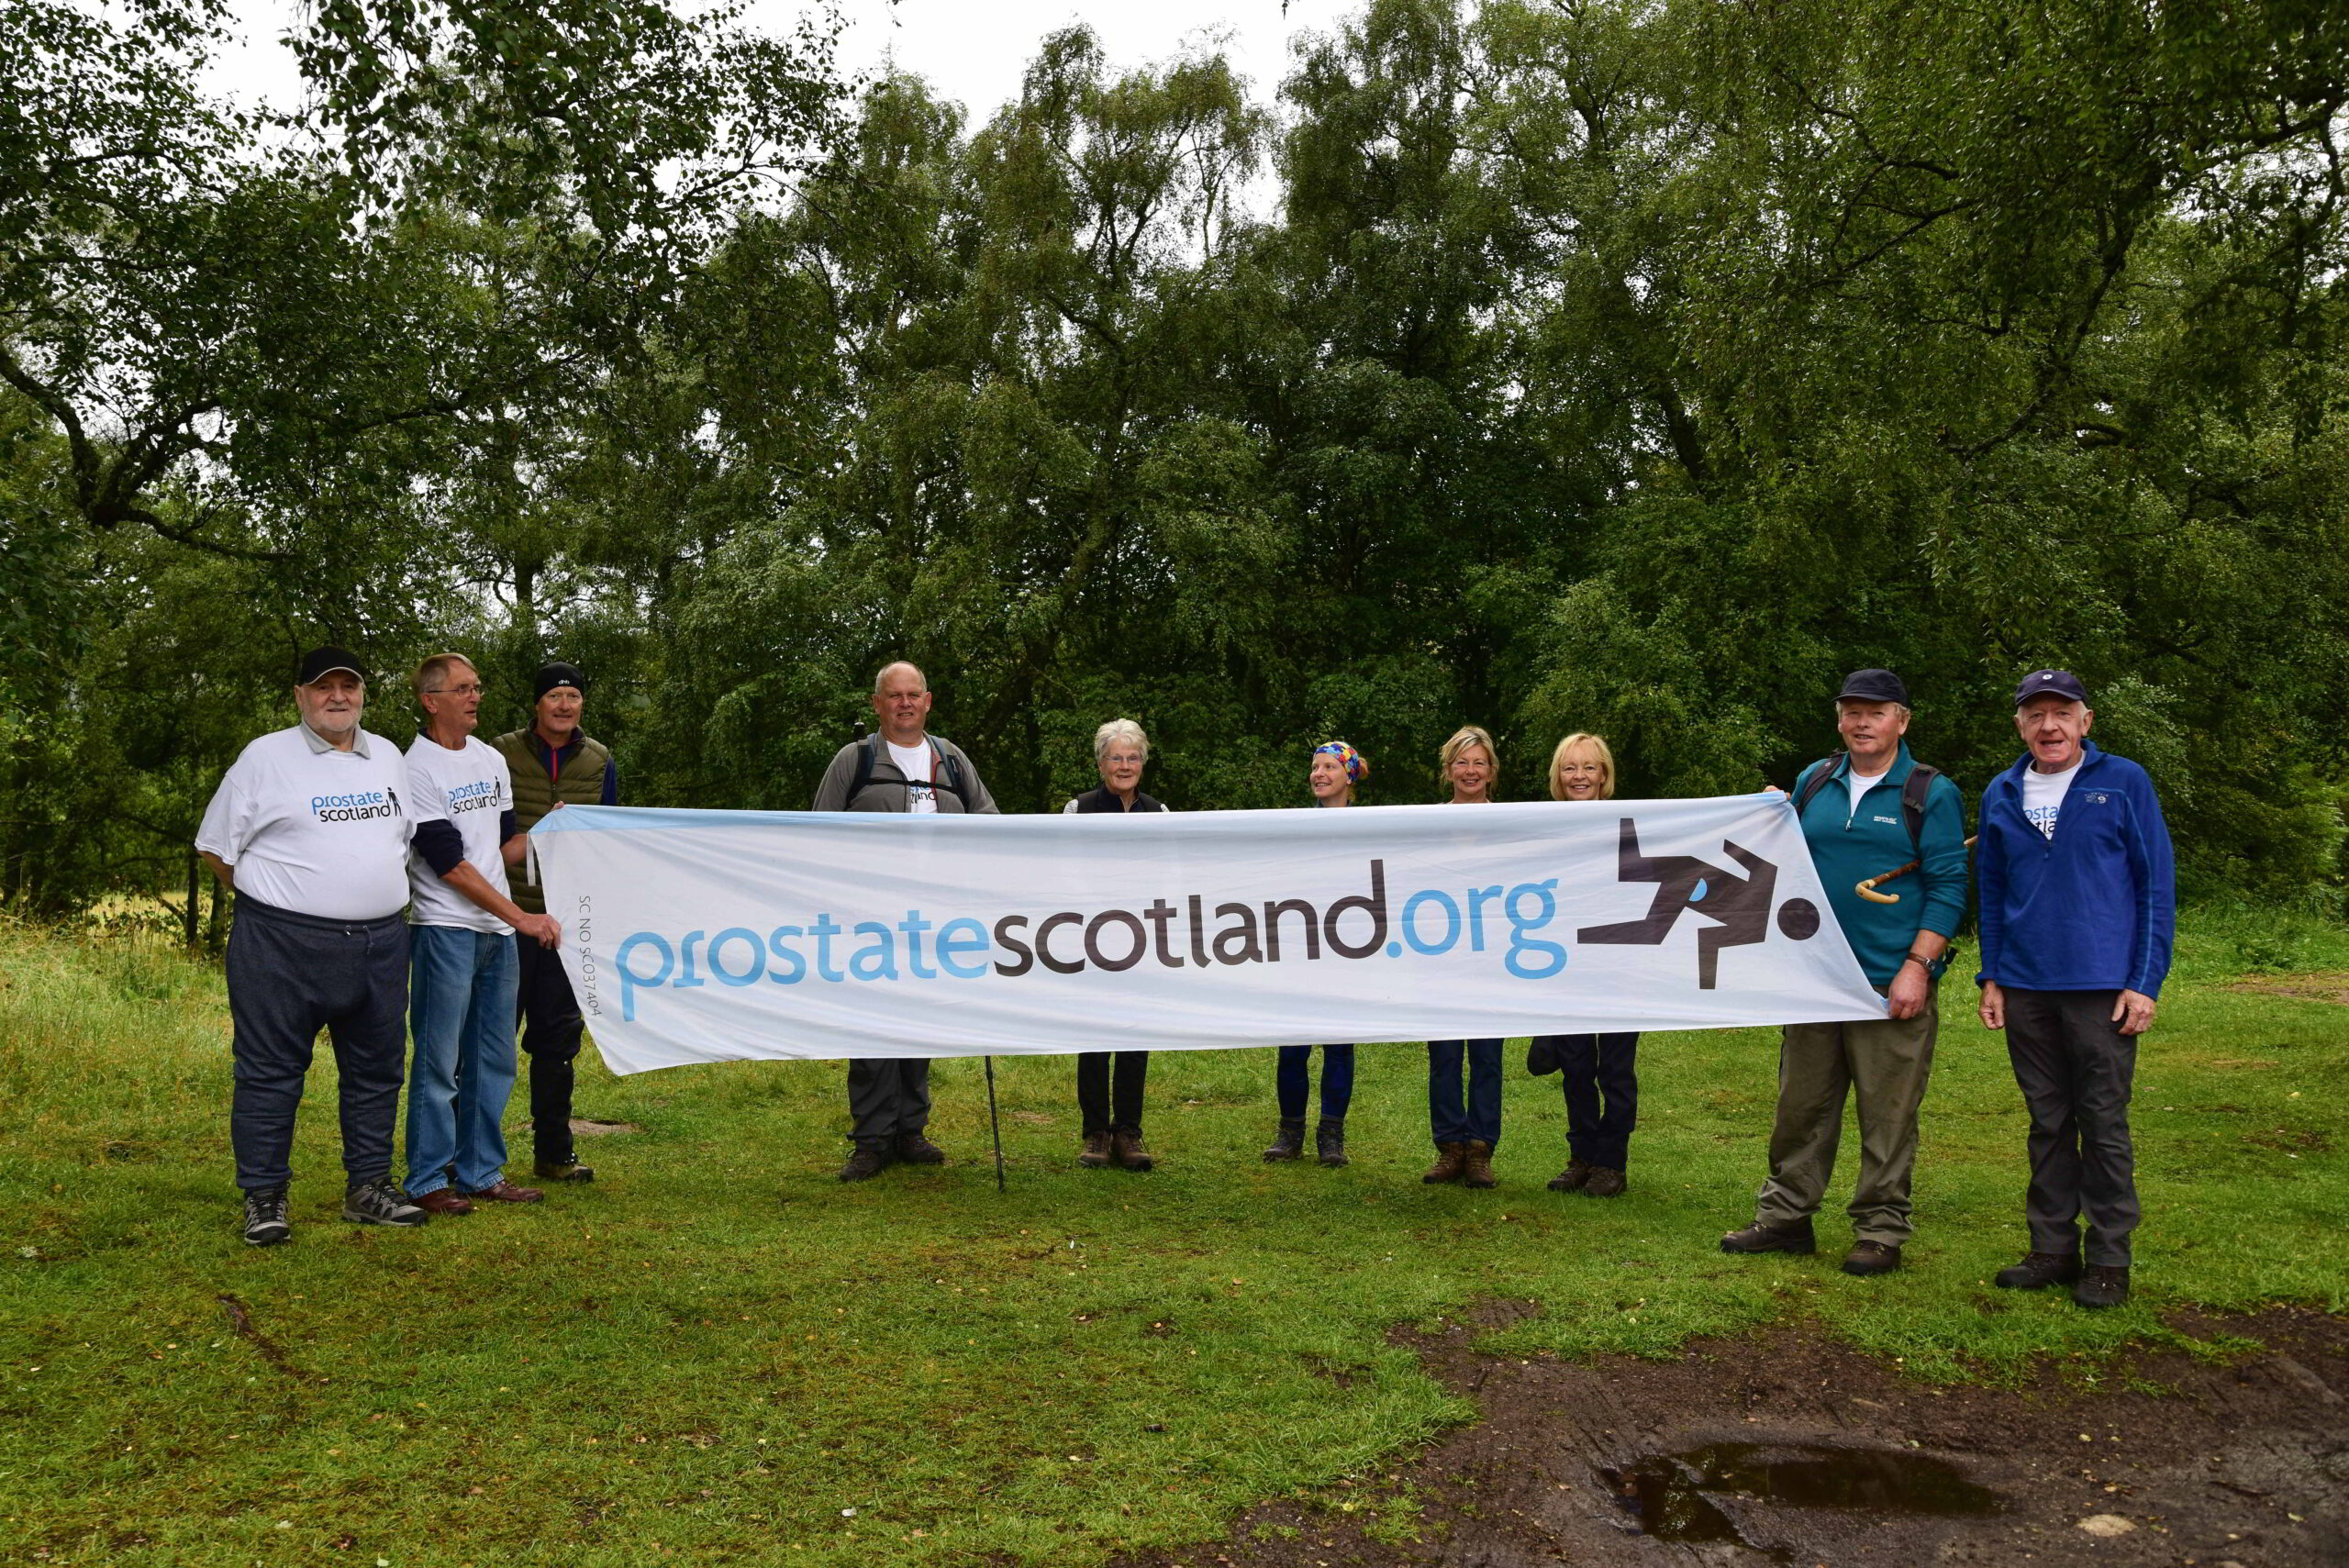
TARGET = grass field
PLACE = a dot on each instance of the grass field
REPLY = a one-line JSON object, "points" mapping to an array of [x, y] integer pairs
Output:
{"points": [[718, 1352]]}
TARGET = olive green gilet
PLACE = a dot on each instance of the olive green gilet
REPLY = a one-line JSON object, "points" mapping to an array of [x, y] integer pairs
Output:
{"points": [[535, 794]]}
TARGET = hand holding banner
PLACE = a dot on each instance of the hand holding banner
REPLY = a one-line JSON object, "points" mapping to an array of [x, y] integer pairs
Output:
{"points": [[714, 936]]}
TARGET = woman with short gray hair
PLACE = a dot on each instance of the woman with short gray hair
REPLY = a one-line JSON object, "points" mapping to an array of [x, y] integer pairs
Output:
{"points": [[1109, 1095]]}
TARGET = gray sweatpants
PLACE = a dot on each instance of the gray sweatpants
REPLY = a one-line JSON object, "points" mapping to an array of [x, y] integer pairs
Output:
{"points": [[291, 975], [2077, 1070], [1885, 1062]]}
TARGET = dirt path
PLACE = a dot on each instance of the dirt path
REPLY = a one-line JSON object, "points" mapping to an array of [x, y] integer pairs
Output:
{"points": [[1782, 1448]]}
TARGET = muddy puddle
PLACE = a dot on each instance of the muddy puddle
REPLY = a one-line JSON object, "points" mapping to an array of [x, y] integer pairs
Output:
{"points": [[1785, 1448]]}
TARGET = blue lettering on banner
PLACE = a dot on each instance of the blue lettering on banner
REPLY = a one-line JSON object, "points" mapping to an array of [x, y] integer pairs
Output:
{"points": [[1429, 922]]}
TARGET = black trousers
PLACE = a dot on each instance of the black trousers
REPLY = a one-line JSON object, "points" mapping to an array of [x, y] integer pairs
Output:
{"points": [[2077, 1071], [1600, 1076], [549, 1017], [291, 975], [887, 1095], [1110, 1100]]}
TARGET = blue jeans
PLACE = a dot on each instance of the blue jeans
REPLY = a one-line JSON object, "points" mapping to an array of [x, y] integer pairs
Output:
{"points": [[1479, 1121], [460, 1016], [1293, 1081]]}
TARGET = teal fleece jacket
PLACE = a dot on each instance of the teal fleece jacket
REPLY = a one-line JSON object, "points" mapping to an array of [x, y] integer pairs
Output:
{"points": [[1848, 847]]}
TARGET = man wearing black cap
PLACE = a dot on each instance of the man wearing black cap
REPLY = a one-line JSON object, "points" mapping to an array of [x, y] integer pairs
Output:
{"points": [[2078, 904], [554, 764], [1863, 812], [309, 830]]}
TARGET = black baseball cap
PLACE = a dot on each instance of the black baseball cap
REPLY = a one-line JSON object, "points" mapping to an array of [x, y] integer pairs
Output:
{"points": [[320, 663], [2051, 682], [557, 673], [1873, 685]]}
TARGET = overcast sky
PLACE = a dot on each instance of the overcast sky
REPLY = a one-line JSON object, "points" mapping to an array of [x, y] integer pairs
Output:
{"points": [[973, 51]]}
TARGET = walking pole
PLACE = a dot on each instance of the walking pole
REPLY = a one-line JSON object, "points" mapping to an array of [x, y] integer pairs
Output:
{"points": [[995, 1126], [1867, 889]]}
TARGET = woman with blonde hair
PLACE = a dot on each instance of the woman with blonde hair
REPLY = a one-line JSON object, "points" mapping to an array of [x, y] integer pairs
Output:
{"points": [[1465, 1134], [1109, 1084], [1335, 771], [1602, 1080]]}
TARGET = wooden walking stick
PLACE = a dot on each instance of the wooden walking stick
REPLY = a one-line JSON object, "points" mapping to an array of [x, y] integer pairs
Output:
{"points": [[1867, 889]]}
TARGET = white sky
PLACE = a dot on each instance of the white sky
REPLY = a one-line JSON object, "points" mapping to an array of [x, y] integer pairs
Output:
{"points": [[973, 51]]}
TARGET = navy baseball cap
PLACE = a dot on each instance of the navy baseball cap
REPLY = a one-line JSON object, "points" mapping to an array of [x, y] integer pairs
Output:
{"points": [[2051, 682], [1873, 685], [320, 663]]}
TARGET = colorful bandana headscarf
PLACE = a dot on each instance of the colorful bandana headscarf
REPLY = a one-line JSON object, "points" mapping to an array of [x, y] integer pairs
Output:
{"points": [[1348, 758]]}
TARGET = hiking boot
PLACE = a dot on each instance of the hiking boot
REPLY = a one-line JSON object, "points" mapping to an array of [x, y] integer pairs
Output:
{"points": [[1574, 1178], [380, 1202], [442, 1200], [265, 1223], [1477, 1164], [1450, 1159], [870, 1158], [1125, 1147], [1793, 1236], [1288, 1142], [2102, 1285], [2039, 1270], [1097, 1150], [1605, 1181], [504, 1191], [1329, 1142], [562, 1171], [916, 1150], [1868, 1258]]}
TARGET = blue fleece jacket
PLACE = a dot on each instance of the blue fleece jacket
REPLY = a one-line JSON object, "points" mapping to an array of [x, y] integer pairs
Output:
{"points": [[2090, 909], [1848, 846]]}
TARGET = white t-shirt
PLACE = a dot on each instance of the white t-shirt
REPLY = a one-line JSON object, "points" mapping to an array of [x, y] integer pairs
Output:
{"points": [[313, 829], [470, 789], [2042, 796], [1859, 785], [913, 763]]}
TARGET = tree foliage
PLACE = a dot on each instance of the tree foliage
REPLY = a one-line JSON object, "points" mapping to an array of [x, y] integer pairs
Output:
{"points": [[1629, 365]]}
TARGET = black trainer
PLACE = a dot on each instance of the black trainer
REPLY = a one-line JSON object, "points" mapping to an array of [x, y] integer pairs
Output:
{"points": [[1794, 1237], [2101, 1285], [380, 1202], [2039, 1270], [265, 1218]]}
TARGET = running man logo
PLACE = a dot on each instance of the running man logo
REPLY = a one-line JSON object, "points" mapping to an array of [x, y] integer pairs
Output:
{"points": [[1739, 906]]}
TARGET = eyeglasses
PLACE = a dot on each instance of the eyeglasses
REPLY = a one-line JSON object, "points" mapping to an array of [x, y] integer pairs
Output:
{"points": [[470, 689]]}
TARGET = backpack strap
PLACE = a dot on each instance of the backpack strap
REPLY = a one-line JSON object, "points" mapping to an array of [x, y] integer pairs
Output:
{"points": [[1912, 803], [1820, 773], [867, 748], [945, 771]]}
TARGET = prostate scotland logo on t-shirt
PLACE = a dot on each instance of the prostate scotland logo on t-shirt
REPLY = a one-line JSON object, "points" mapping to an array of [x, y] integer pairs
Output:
{"points": [[470, 789]]}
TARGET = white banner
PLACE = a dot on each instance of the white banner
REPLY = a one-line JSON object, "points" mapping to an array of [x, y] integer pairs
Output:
{"points": [[720, 936]]}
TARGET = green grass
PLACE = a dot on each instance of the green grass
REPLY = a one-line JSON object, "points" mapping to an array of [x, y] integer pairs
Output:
{"points": [[719, 1351]]}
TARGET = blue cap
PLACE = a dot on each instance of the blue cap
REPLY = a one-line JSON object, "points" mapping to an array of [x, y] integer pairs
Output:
{"points": [[2051, 684]]}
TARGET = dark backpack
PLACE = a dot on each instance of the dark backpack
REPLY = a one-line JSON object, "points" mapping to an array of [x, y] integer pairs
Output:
{"points": [[941, 767], [1912, 795]]}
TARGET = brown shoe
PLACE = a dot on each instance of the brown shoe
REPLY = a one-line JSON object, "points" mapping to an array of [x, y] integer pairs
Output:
{"points": [[1097, 1151], [1605, 1182], [1574, 1178], [1868, 1258], [1125, 1147], [913, 1149], [1451, 1159], [1477, 1164], [1794, 1237], [442, 1200], [504, 1191]]}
